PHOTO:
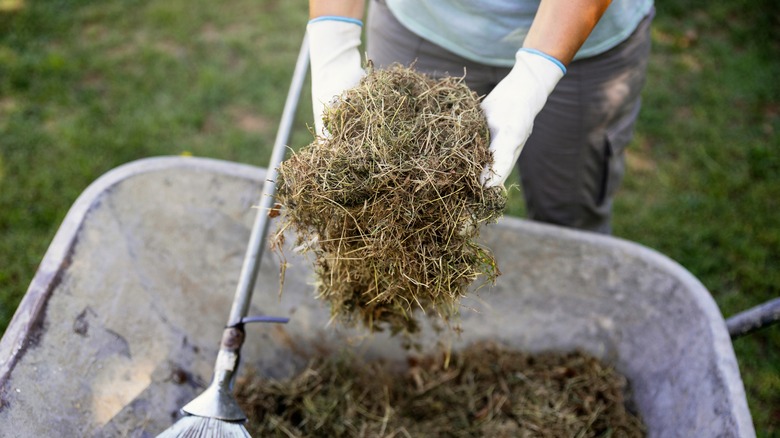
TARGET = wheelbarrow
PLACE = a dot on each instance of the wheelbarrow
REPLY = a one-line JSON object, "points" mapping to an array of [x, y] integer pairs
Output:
{"points": [[118, 328]]}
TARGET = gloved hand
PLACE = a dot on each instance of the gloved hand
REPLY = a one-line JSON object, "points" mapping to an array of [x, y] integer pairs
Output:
{"points": [[335, 61], [512, 106]]}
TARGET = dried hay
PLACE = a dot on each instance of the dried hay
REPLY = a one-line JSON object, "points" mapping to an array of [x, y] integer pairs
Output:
{"points": [[482, 391], [391, 203]]}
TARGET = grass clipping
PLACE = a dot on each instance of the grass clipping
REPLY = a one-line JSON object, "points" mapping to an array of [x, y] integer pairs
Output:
{"points": [[391, 203], [483, 391]]}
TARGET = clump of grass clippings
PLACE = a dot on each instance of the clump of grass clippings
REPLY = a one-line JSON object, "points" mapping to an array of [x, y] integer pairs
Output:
{"points": [[483, 391], [391, 202]]}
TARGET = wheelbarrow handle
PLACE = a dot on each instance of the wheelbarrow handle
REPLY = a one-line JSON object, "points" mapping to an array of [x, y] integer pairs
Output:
{"points": [[754, 319]]}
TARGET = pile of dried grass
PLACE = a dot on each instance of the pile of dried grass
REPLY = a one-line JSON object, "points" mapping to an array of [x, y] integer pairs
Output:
{"points": [[391, 203], [483, 391]]}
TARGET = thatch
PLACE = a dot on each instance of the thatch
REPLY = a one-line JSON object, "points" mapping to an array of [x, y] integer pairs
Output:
{"points": [[483, 391], [391, 202]]}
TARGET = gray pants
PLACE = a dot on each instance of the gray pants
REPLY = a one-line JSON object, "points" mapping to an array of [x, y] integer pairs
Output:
{"points": [[573, 162]]}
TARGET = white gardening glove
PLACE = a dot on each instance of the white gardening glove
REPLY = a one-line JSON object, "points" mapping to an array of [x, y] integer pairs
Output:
{"points": [[335, 61], [512, 106]]}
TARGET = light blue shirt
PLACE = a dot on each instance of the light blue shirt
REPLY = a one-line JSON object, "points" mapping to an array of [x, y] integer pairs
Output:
{"points": [[491, 31]]}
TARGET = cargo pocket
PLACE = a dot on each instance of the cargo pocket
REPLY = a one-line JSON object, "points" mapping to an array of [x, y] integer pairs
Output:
{"points": [[617, 137]]}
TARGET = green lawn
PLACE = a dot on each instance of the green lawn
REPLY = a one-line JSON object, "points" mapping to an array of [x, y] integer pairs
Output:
{"points": [[88, 85]]}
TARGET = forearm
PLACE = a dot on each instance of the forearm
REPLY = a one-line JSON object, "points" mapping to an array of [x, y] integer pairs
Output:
{"points": [[341, 8], [562, 26]]}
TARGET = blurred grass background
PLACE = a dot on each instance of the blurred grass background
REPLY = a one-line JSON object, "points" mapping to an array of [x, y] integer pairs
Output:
{"points": [[87, 85]]}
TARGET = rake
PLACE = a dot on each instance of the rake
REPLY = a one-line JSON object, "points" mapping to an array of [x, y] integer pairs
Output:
{"points": [[215, 412]]}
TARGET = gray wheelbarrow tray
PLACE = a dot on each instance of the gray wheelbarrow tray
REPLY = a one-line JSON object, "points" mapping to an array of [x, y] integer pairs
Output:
{"points": [[122, 321]]}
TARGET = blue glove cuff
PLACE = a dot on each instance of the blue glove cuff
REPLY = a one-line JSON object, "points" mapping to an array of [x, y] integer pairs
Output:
{"points": [[547, 57], [337, 18]]}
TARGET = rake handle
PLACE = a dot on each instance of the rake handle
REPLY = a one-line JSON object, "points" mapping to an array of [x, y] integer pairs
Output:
{"points": [[254, 252]]}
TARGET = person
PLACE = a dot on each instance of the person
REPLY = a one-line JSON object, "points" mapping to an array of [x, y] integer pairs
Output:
{"points": [[561, 81]]}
